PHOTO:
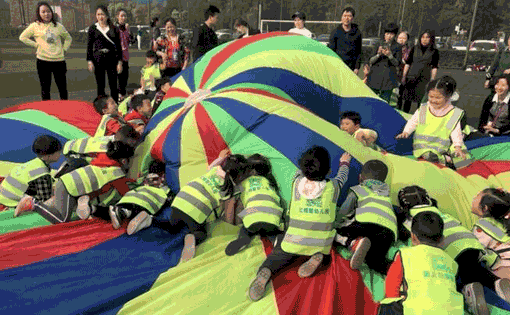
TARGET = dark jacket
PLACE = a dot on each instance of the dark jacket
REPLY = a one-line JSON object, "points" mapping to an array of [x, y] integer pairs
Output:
{"points": [[100, 49], [347, 45], [384, 70], [204, 39], [500, 63]]}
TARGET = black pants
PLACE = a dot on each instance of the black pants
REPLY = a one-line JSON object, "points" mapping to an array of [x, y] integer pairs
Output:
{"points": [[395, 308], [262, 229], [59, 70], [470, 270], [106, 66], [123, 77], [380, 238], [170, 72], [180, 220]]}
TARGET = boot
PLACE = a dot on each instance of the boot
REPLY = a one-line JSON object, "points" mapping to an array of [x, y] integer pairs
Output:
{"points": [[475, 299], [308, 268], [360, 247], [258, 285]]}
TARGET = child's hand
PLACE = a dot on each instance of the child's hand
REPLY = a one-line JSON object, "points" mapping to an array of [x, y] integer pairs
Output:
{"points": [[224, 153], [459, 153], [346, 157], [403, 135]]}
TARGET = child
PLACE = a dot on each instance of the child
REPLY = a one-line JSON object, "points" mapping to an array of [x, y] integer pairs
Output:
{"points": [[104, 179], [143, 202], [162, 86], [311, 215], [421, 279], [492, 229], [350, 123], [111, 121], [141, 111], [458, 242], [370, 225], [262, 212], [132, 89], [151, 71], [33, 177]]}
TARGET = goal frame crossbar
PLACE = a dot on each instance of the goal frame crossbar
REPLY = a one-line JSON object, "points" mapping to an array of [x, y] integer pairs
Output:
{"points": [[292, 21]]}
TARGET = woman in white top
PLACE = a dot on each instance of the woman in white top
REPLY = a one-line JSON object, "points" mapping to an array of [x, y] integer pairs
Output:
{"points": [[48, 35], [299, 23]]}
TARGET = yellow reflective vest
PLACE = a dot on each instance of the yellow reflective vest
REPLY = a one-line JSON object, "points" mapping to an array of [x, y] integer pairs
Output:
{"points": [[101, 129], [260, 201], [14, 186], [90, 178], [311, 221], [87, 146], [148, 197]]}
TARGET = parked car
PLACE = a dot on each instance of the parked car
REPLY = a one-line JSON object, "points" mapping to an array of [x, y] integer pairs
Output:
{"points": [[486, 45], [459, 46], [371, 42], [323, 39]]}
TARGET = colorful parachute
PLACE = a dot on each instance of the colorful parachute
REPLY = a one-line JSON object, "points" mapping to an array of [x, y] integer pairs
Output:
{"points": [[274, 94]]}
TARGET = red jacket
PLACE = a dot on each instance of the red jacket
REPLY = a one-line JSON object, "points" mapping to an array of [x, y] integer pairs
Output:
{"points": [[134, 118]]}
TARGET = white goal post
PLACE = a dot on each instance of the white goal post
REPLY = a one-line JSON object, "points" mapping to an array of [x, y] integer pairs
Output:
{"points": [[266, 22]]}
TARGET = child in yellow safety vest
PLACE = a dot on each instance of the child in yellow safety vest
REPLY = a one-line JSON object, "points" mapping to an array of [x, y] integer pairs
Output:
{"points": [[143, 202], [262, 208], [350, 123], [311, 219], [493, 228], [458, 242], [32, 178], [110, 121], [369, 225], [104, 179], [421, 279], [139, 113]]}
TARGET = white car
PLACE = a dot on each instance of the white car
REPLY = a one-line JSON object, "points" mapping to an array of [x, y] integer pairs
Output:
{"points": [[485, 45], [458, 46]]}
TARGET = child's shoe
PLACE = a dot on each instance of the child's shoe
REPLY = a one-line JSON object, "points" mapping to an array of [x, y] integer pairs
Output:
{"points": [[188, 252], [308, 268], [26, 204], [114, 217], [360, 247], [475, 299], [258, 285], [141, 221], [503, 289], [240, 243], [83, 209]]}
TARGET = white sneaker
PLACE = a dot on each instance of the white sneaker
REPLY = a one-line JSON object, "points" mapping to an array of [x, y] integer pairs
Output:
{"points": [[141, 221], [503, 289], [475, 299], [114, 217], [83, 209]]}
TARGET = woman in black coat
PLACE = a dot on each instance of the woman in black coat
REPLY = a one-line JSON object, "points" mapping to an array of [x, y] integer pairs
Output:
{"points": [[104, 52], [421, 68]]}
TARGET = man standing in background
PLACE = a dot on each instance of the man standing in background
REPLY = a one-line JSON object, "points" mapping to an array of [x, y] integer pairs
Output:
{"points": [[345, 40], [204, 37], [299, 23]]}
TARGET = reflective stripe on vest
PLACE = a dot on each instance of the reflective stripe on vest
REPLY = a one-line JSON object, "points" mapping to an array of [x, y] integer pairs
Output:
{"points": [[261, 203], [494, 229], [15, 184], [90, 178], [311, 221], [433, 133], [431, 270], [200, 197], [456, 238], [136, 121], [87, 145], [147, 197], [101, 129], [374, 208]]}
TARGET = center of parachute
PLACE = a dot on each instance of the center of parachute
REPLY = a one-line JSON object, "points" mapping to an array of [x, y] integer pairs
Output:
{"points": [[196, 97]]}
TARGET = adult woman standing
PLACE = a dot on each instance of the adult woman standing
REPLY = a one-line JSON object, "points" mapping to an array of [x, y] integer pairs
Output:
{"points": [[104, 52], [125, 39], [172, 50], [155, 31], [47, 33], [494, 119], [420, 69], [402, 39]]}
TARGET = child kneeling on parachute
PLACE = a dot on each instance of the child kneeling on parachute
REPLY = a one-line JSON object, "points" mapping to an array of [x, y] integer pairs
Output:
{"points": [[370, 225], [104, 179], [460, 244], [143, 202], [421, 279], [263, 211], [312, 214]]}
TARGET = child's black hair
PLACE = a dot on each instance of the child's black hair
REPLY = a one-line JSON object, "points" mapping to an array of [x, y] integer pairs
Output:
{"points": [[497, 202], [131, 88], [446, 84], [354, 116], [118, 150], [262, 166], [101, 103], [374, 169], [234, 167], [157, 167], [428, 228], [162, 81], [127, 131], [315, 163], [137, 101], [151, 54], [46, 145], [412, 196]]}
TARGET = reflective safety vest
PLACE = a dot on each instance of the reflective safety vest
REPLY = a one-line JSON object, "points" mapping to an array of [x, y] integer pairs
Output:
{"points": [[374, 208], [86, 146], [150, 198], [311, 221], [101, 129], [430, 276], [456, 238], [90, 178], [15, 184], [200, 197], [260, 201], [494, 229], [432, 133]]}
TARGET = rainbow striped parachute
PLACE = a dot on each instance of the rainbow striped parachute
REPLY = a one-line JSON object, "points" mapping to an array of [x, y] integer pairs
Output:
{"points": [[276, 94]]}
